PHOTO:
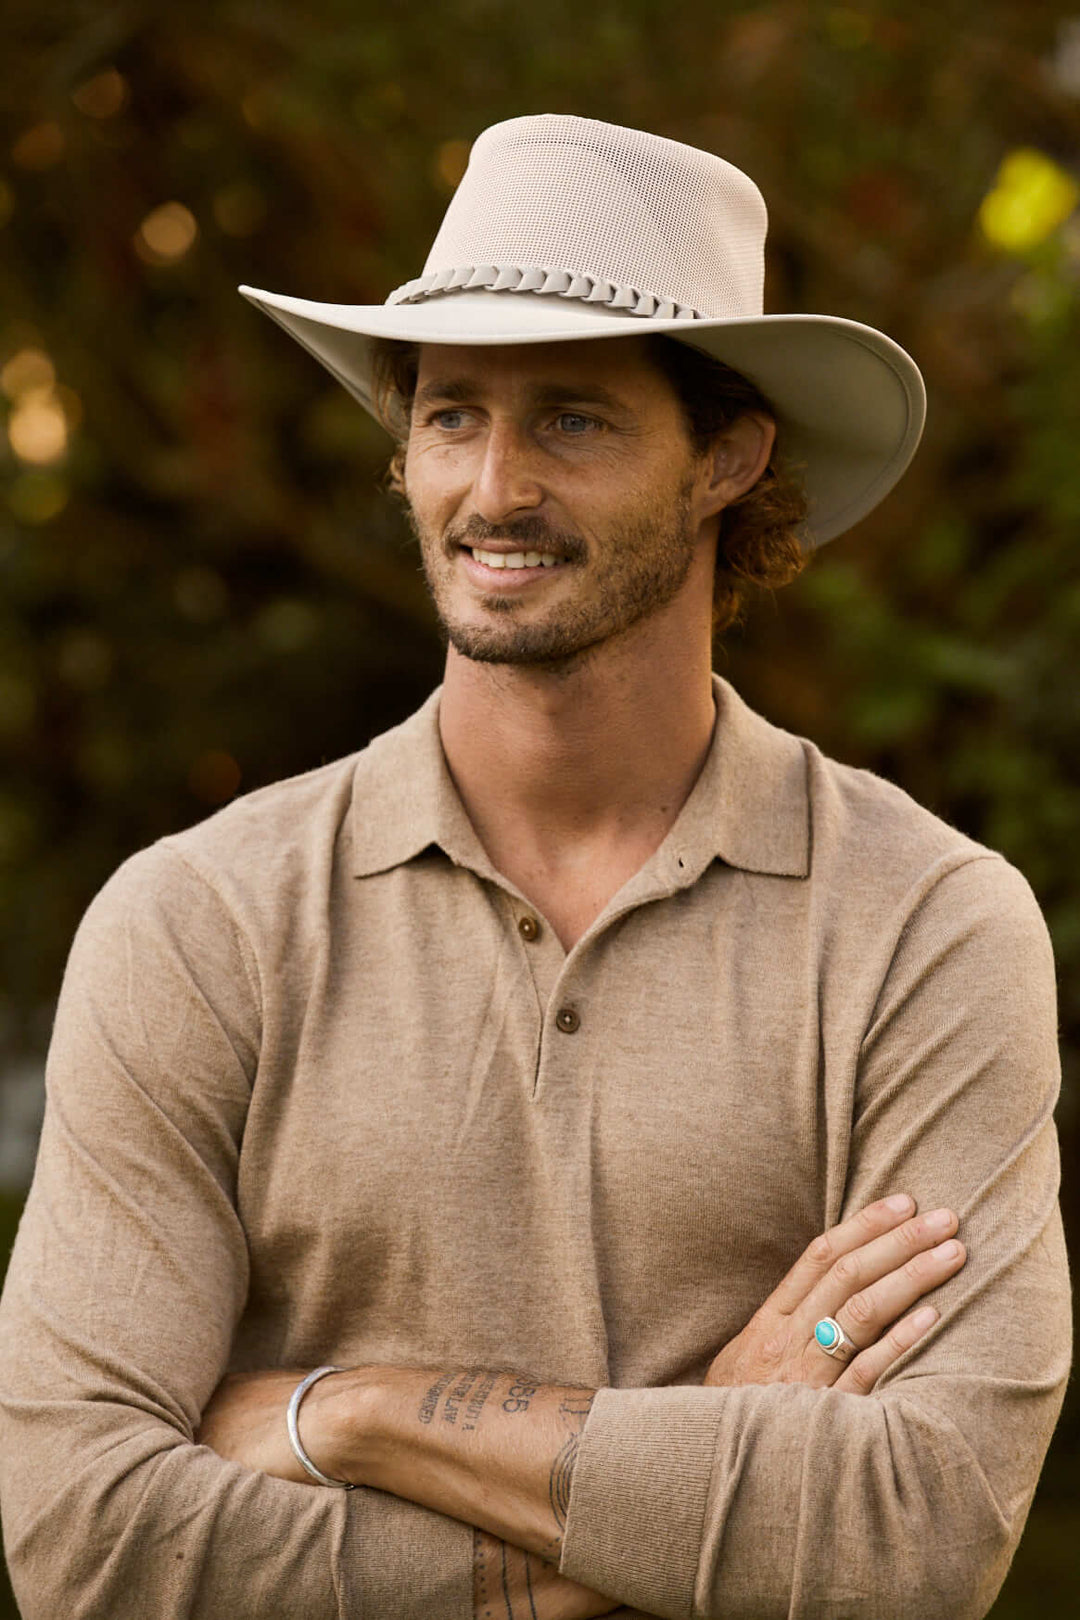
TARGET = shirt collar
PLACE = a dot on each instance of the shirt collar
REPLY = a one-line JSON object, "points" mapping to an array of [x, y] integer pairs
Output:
{"points": [[404, 800], [749, 807]]}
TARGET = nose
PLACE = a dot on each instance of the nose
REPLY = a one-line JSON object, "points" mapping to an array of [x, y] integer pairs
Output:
{"points": [[506, 483]]}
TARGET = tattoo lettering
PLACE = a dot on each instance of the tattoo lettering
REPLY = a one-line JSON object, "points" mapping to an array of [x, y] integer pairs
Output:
{"points": [[518, 1397], [452, 1389], [476, 1405], [574, 1409], [458, 1394], [426, 1410]]}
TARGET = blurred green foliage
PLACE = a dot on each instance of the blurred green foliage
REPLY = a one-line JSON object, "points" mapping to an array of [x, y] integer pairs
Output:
{"points": [[208, 590]]}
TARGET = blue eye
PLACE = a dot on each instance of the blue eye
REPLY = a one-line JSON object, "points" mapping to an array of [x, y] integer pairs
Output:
{"points": [[583, 423], [440, 419]]}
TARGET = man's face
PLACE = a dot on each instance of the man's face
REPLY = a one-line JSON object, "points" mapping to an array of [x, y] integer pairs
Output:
{"points": [[551, 487]]}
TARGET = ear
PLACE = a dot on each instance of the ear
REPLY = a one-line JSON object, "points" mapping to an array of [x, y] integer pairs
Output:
{"points": [[736, 460]]}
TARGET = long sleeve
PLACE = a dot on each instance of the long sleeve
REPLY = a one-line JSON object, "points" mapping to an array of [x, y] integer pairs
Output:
{"points": [[763, 1502], [127, 1282]]}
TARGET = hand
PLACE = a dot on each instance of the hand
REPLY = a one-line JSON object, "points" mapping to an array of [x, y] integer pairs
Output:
{"points": [[865, 1274], [509, 1584]]}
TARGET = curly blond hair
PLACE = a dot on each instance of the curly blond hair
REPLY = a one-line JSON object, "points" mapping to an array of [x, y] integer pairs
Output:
{"points": [[760, 534]]}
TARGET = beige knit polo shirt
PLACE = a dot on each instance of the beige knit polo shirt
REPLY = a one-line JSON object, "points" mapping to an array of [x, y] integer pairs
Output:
{"points": [[324, 1087]]}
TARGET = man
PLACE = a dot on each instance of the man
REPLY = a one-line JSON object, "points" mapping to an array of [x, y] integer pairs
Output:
{"points": [[552, 1119]]}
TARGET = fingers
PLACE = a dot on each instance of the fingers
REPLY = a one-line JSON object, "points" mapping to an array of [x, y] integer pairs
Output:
{"points": [[869, 1288], [866, 1273], [874, 1320], [875, 1221], [868, 1313], [861, 1374]]}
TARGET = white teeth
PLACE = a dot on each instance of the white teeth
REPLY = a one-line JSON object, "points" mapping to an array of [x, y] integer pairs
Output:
{"points": [[515, 559]]}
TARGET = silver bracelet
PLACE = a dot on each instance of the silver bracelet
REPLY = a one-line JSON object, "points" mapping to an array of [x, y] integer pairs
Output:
{"points": [[294, 1433]]}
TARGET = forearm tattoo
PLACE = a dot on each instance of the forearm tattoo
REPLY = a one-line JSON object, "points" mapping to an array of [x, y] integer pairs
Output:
{"points": [[573, 1410], [460, 1397], [453, 1391], [518, 1396], [502, 1581]]}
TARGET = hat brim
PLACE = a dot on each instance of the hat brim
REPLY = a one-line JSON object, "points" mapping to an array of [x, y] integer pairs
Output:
{"points": [[850, 403]]}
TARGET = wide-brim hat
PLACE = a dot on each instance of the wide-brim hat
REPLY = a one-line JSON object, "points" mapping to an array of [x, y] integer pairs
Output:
{"points": [[565, 229]]}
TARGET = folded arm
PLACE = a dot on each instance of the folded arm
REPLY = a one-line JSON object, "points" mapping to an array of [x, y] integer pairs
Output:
{"points": [[497, 1449], [780, 1488]]}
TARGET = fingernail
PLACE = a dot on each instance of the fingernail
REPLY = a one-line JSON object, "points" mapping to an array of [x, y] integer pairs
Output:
{"points": [[947, 1251], [924, 1318], [939, 1219], [901, 1203]]}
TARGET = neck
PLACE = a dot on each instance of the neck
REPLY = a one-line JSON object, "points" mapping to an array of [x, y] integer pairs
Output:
{"points": [[584, 768]]}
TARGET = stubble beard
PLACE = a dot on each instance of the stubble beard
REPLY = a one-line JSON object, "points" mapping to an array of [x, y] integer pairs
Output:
{"points": [[646, 561]]}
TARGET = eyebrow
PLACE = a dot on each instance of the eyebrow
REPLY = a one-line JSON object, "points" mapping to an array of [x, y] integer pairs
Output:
{"points": [[459, 390]]}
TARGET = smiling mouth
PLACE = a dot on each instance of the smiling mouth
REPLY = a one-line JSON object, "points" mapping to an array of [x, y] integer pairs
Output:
{"points": [[513, 559]]}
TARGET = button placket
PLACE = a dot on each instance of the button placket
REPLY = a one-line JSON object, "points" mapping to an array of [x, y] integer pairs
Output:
{"points": [[564, 994]]}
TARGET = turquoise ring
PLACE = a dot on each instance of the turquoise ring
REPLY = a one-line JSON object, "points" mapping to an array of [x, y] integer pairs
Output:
{"points": [[830, 1337]]}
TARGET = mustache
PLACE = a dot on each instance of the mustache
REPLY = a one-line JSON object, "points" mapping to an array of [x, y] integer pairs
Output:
{"points": [[534, 531]]}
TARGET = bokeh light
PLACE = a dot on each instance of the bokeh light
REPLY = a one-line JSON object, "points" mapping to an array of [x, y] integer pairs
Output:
{"points": [[28, 369], [39, 147], [103, 96], [37, 427], [1031, 197], [166, 234], [44, 413]]}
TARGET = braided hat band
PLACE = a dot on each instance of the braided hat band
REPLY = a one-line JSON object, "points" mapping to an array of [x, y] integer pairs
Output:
{"points": [[537, 279], [566, 229]]}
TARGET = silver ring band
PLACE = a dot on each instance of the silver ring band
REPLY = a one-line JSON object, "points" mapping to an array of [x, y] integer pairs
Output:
{"points": [[830, 1337], [294, 1432]]}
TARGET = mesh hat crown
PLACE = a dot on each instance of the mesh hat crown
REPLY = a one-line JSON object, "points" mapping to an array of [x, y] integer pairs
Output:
{"points": [[631, 212], [567, 228]]}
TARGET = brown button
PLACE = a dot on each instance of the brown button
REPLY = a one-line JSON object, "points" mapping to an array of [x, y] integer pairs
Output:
{"points": [[528, 928], [567, 1020]]}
